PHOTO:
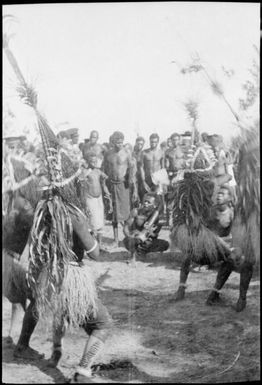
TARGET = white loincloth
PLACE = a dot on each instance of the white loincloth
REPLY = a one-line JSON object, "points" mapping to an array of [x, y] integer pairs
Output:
{"points": [[96, 209]]}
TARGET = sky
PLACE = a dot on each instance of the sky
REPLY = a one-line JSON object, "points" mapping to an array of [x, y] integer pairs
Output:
{"points": [[117, 66]]}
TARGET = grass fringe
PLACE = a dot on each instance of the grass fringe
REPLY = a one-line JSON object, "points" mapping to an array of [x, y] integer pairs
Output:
{"points": [[76, 301], [204, 247]]}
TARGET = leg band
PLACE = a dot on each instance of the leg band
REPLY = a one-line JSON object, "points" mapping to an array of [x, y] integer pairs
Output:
{"points": [[91, 351]]}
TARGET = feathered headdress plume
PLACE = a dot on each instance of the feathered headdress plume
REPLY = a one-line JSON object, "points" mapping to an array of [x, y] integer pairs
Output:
{"points": [[51, 236]]}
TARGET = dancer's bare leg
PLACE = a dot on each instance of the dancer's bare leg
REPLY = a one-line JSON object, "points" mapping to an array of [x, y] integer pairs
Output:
{"points": [[22, 349], [58, 334], [97, 330], [14, 315]]}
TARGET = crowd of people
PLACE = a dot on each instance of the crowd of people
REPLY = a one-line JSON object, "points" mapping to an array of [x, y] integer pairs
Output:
{"points": [[126, 185], [117, 181]]}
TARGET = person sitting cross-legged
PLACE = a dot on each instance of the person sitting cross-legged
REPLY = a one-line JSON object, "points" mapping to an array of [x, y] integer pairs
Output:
{"points": [[142, 228]]}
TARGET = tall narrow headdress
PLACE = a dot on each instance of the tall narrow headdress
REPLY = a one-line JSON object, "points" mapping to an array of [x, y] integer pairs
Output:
{"points": [[51, 236]]}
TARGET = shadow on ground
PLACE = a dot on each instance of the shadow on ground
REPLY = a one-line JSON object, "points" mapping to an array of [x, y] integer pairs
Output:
{"points": [[169, 259], [8, 358]]}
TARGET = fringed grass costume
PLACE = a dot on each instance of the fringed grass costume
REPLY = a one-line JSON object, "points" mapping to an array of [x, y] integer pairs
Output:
{"points": [[245, 252], [246, 228], [191, 233], [192, 201], [58, 236]]}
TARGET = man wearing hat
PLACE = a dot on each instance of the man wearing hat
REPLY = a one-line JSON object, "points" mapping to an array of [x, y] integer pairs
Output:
{"points": [[14, 143], [69, 141]]}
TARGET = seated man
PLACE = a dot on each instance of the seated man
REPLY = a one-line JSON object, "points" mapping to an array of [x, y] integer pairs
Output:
{"points": [[143, 226]]}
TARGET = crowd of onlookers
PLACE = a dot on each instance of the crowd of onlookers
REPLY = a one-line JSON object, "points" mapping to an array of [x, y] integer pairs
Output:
{"points": [[115, 179]]}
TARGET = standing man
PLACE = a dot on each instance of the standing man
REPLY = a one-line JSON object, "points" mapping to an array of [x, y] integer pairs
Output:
{"points": [[121, 177], [152, 160], [94, 147], [174, 161], [174, 156], [137, 154]]}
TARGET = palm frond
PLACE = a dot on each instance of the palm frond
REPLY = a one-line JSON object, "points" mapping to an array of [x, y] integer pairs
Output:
{"points": [[217, 88]]}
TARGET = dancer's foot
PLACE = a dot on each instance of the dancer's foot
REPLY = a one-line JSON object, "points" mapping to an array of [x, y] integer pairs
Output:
{"points": [[54, 359], [27, 353], [180, 294], [8, 340], [240, 305], [82, 376], [213, 298]]}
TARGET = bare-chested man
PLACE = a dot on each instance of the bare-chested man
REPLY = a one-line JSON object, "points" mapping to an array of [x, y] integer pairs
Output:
{"points": [[121, 176], [152, 160], [174, 161], [137, 154], [94, 147], [174, 157]]}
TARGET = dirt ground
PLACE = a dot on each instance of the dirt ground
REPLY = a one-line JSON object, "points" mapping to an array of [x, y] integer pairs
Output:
{"points": [[154, 339]]}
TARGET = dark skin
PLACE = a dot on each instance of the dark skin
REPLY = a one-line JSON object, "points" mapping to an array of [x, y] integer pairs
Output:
{"points": [[117, 164], [234, 261], [174, 157], [149, 205], [138, 221], [95, 183], [23, 350], [137, 154], [152, 160], [93, 146]]}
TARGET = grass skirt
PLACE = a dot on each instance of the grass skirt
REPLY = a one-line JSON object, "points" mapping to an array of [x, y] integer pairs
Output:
{"points": [[204, 247], [75, 302], [247, 237]]}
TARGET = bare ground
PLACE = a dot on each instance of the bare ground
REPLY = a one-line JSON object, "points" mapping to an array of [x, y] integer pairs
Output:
{"points": [[154, 339]]}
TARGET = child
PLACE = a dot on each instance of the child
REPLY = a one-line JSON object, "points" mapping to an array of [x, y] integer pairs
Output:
{"points": [[92, 181], [222, 214]]}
